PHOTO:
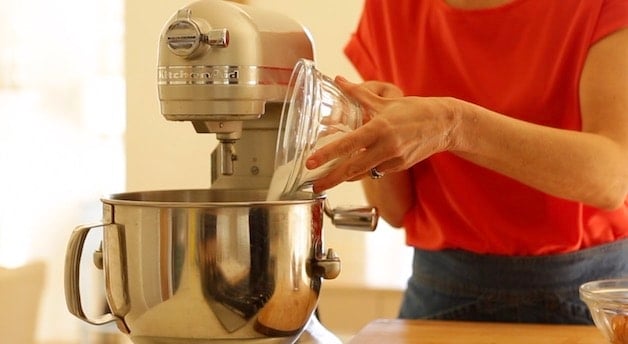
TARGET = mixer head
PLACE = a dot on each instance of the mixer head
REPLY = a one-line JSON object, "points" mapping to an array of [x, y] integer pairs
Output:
{"points": [[223, 65]]}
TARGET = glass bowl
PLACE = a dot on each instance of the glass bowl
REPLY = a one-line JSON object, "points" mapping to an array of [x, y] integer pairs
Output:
{"points": [[315, 112], [608, 303]]}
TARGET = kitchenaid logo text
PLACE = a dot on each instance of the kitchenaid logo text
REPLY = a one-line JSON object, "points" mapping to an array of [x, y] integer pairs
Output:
{"points": [[198, 75]]}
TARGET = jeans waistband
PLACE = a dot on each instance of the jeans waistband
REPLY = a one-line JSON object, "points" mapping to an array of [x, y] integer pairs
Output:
{"points": [[463, 269]]}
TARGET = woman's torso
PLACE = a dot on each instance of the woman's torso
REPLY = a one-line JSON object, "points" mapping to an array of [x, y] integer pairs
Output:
{"points": [[521, 58]]}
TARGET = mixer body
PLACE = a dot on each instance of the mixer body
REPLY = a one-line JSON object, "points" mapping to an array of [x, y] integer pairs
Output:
{"points": [[225, 68]]}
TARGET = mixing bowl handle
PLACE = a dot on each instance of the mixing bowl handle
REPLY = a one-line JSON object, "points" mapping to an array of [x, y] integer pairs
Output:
{"points": [[72, 267], [355, 218]]}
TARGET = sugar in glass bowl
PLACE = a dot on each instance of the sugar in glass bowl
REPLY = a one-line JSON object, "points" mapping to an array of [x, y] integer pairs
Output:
{"points": [[608, 303]]}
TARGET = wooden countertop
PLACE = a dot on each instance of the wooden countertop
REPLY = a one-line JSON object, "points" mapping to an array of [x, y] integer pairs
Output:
{"points": [[395, 331]]}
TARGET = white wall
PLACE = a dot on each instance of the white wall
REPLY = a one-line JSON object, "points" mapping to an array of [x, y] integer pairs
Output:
{"points": [[61, 148]]}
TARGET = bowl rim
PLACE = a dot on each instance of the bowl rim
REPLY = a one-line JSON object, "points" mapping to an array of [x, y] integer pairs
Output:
{"points": [[593, 290]]}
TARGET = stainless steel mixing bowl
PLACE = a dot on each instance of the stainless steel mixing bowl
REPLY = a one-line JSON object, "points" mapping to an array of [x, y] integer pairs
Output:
{"points": [[206, 266]]}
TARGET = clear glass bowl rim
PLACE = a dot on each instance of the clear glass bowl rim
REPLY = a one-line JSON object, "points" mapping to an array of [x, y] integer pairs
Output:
{"points": [[597, 291]]}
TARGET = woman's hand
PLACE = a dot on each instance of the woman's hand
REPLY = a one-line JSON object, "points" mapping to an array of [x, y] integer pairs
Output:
{"points": [[379, 88], [397, 133]]}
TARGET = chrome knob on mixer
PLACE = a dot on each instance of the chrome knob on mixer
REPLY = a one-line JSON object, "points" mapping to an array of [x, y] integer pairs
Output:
{"points": [[217, 38], [184, 36]]}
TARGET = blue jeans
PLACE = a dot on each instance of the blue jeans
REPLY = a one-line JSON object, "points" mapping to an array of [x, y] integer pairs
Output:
{"points": [[459, 285]]}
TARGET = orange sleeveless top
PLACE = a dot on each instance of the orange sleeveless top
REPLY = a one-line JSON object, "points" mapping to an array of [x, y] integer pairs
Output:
{"points": [[522, 59]]}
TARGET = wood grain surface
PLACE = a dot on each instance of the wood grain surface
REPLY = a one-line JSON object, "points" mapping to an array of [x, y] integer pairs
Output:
{"points": [[392, 331]]}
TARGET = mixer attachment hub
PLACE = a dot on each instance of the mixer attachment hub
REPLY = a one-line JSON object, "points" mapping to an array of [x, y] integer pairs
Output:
{"points": [[184, 36]]}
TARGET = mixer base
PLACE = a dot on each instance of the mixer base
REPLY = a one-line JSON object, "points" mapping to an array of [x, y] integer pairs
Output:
{"points": [[314, 333]]}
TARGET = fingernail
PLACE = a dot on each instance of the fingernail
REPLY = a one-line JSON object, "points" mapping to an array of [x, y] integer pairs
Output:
{"points": [[340, 78], [311, 164], [316, 189]]}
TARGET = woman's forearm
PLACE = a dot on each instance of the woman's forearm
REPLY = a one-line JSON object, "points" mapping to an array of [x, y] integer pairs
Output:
{"points": [[392, 195], [580, 166]]}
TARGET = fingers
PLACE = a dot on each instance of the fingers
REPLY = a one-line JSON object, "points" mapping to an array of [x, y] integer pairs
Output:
{"points": [[379, 88], [370, 100], [355, 168], [357, 149], [358, 155], [349, 143]]}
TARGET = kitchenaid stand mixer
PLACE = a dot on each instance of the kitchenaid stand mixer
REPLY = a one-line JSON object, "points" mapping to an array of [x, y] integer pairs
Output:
{"points": [[225, 68], [222, 265]]}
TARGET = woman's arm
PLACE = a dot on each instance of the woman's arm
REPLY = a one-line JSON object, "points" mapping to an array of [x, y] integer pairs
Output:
{"points": [[589, 166], [392, 195]]}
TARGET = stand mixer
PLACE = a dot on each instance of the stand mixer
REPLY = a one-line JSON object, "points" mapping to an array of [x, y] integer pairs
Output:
{"points": [[224, 264], [225, 68]]}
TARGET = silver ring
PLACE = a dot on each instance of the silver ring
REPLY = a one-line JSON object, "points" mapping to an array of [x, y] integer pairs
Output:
{"points": [[375, 174]]}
